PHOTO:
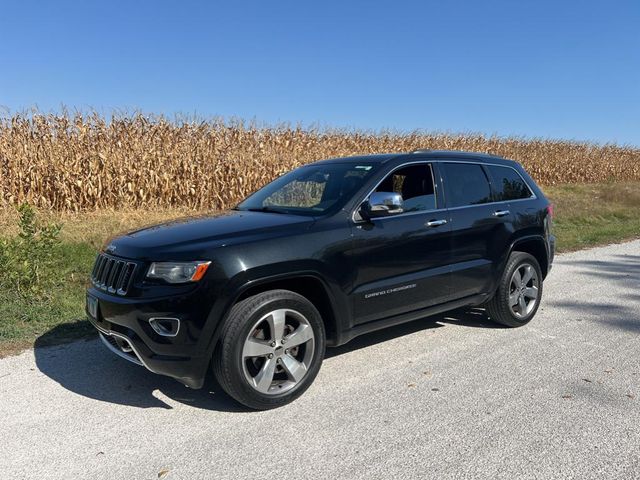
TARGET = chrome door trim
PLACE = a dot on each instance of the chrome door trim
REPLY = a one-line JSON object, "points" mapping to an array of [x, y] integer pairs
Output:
{"points": [[402, 165], [435, 186], [533, 194]]}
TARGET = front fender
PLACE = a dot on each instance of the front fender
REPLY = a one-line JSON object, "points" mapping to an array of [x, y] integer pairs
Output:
{"points": [[259, 277]]}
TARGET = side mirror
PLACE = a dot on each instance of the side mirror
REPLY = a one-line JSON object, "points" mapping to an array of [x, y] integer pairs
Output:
{"points": [[382, 204]]}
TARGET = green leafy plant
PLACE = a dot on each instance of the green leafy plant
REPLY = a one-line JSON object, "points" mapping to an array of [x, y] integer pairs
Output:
{"points": [[26, 260]]}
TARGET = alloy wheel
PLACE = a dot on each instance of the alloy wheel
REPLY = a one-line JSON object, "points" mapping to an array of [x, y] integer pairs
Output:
{"points": [[278, 351], [523, 290]]}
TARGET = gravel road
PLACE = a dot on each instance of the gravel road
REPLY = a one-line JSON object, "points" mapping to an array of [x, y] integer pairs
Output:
{"points": [[446, 397]]}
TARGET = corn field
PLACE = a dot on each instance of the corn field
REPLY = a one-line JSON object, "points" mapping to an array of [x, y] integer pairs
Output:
{"points": [[73, 162]]}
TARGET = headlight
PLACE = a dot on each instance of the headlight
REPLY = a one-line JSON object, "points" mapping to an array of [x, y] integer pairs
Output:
{"points": [[178, 272]]}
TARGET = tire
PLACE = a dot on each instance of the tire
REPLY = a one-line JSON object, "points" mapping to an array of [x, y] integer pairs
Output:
{"points": [[253, 330], [506, 306]]}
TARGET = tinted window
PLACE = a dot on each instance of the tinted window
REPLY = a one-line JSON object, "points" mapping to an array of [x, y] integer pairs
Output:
{"points": [[465, 184], [508, 184], [415, 184]]}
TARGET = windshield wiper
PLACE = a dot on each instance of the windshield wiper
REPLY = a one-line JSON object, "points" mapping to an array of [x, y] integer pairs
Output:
{"points": [[265, 209]]}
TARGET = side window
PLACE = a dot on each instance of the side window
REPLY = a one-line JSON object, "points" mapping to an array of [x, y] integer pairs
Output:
{"points": [[508, 184], [465, 184], [415, 184]]}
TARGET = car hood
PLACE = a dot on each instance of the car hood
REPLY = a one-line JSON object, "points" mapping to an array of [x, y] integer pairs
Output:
{"points": [[191, 238]]}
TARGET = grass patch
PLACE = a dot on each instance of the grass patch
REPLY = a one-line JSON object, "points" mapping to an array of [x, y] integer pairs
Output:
{"points": [[25, 318], [595, 214], [585, 216]]}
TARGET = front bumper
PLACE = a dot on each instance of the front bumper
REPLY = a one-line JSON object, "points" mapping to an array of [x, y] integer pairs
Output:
{"points": [[120, 345], [123, 327]]}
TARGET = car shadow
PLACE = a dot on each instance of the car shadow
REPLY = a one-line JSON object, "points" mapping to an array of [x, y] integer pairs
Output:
{"points": [[475, 318], [619, 309], [88, 369]]}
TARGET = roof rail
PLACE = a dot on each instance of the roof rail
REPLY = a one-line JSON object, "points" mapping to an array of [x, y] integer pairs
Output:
{"points": [[422, 150]]}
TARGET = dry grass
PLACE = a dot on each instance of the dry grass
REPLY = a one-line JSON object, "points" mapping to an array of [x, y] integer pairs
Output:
{"points": [[84, 162], [595, 214], [97, 226], [585, 215]]}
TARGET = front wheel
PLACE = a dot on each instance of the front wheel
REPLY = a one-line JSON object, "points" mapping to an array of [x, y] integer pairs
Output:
{"points": [[518, 296], [271, 349]]}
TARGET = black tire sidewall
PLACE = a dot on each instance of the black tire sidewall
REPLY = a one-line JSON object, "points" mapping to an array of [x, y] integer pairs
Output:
{"points": [[243, 320], [516, 261], [498, 307]]}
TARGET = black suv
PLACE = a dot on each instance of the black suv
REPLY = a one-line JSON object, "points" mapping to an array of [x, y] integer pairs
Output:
{"points": [[329, 251]]}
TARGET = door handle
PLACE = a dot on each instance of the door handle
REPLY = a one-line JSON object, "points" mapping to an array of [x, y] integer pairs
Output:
{"points": [[435, 223], [501, 213]]}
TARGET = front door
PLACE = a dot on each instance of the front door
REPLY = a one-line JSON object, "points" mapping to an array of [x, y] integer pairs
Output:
{"points": [[402, 261]]}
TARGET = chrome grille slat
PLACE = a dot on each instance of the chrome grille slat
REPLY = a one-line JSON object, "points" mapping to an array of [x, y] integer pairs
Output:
{"points": [[112, 274], [95, 267], [105, 272], [115, 272], [127, 278], [122, 267], [101, 261]]}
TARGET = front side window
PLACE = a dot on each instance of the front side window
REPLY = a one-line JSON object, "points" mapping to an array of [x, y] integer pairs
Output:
{"points": [[415, 184], [508, 184], [465, 184], [310, 190]]}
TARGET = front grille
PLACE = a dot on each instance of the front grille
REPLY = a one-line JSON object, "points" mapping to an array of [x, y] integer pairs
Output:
{"points": [[112, 274]]}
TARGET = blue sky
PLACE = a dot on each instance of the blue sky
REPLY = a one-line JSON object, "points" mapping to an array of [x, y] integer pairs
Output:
{"points": [[560, 69]]}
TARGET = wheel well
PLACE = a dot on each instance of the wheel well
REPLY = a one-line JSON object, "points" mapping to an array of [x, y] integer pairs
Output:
{"points": [[535, 247], [309, 287]]}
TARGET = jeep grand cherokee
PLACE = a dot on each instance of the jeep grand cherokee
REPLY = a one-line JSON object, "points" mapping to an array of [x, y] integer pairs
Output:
{"points": [[326, 252]]}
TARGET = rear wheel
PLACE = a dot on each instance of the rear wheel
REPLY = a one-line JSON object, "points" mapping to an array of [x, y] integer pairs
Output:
{"points": [[518, 296], [271, 349]]}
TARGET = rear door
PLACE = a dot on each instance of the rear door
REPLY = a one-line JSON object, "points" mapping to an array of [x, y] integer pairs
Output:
{"points": [[402, 262], [480, 228], [512, 193]]}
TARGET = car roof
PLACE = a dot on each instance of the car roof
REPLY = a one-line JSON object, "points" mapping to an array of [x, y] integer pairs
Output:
{"points": [[375, 158], [420, 154]]}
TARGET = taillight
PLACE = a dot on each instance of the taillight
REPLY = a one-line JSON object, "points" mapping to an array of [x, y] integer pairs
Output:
{"points": [[550, 210]]}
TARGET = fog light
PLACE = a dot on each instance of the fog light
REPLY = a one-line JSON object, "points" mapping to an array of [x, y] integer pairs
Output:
{"points": [[165, 326]]}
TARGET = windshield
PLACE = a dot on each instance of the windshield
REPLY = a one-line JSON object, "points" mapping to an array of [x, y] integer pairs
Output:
{"points": [[310, 190]]}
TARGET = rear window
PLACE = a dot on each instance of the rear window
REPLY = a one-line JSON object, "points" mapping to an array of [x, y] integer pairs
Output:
{"points": [[465, 184], [508, 184]]}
